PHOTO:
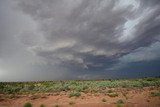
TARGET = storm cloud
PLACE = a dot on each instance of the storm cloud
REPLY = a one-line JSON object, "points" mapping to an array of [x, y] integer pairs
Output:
{"points": [[78, 39]]}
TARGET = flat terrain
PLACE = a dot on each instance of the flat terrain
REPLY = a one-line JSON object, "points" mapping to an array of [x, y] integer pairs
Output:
{"points": [[104, 93]]}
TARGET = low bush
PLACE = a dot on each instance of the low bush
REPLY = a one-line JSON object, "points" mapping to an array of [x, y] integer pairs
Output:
{"points": [[154, 94], [28, 104], [120, 101], [109, 91], [75, 93], [104, 100], [112, 94]]}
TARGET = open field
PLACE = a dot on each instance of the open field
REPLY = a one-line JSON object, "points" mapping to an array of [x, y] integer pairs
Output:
{"points": [[144, 92]]}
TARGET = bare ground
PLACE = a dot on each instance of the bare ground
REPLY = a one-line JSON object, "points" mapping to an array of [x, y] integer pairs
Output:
{"points": [[137, 97]]}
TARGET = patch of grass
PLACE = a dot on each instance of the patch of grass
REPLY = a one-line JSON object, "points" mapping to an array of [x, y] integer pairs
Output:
{"points": [[110, 91], [42, 105], [28, 104], [104, 100], [112, 94], [74, 93], [120, 101], [71, 103], [154, 94]]}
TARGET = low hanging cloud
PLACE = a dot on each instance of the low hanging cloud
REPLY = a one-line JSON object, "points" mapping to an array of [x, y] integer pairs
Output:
{"points": [[140, 55], [89, 35], [143, 54]]}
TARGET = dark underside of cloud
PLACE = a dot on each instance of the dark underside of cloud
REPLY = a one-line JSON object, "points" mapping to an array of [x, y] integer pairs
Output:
{"points": [[82, 39]]}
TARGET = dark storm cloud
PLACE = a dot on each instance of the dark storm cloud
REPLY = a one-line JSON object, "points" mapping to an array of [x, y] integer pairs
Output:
{"points": [[85, 36], [75, 30], [141, 69], [142, 55]]}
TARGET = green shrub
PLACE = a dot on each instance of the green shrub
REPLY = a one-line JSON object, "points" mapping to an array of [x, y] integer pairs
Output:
{"points": [[120, 102], [75, 93], [28, 104], [112, 94], [154, 94], [109, 91], [31, 87]]}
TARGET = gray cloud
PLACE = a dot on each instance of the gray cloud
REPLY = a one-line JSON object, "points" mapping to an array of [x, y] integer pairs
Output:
{"points": [[140, 55], [86, 35], [143, 54], [75, 28]]}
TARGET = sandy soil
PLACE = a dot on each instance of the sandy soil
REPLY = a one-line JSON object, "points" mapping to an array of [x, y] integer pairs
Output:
{"points": [[131, 97]]}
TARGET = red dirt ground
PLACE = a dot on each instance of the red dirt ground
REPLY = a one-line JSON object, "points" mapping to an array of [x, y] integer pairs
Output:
{"points": [[131, 97]]}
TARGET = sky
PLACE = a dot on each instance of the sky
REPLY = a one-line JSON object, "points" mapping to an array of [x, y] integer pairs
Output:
{"points": [[79, 39]]}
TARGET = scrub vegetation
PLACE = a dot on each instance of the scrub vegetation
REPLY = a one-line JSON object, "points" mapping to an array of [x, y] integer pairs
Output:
{"points": [[154, 94], [119, 103], [27, 104], [115, 92], [75, 87]]}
